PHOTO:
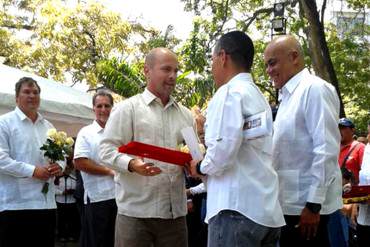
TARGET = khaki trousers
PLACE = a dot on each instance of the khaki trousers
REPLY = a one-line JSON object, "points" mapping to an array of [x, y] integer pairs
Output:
{"points": [[150, 232]]}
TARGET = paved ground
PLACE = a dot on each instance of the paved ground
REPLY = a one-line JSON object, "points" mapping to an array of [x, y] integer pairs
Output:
{"points": [[69, 244]]}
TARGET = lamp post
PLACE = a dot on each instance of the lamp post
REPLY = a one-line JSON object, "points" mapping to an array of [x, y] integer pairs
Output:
{"points": [[278, 27], [278, 23]]}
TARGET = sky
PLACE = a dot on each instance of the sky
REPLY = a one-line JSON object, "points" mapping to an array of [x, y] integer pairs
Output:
{"points": [[156, 13]]}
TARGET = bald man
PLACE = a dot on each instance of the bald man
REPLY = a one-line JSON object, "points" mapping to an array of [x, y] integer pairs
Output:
{"points": [[305, 145], [150, 194]]}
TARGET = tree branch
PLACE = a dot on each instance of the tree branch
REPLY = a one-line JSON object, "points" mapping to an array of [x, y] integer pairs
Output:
{"points": [[220, 27], [93, 50], [323, 7], [250, 20], [265, 12], [14, 26]]}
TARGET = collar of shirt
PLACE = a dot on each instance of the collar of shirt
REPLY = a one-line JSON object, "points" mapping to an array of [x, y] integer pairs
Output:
{"points": [[23, 116], [345, 146], [240, 77], [291, 85], [348, 146], [149, 97], [96, 127]]}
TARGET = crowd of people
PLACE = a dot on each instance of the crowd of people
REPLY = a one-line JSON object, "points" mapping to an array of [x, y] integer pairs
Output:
{"points": [[260, 183]]}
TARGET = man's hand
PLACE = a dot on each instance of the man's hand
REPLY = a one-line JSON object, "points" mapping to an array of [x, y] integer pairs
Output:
{"points": [[41, 172], [112, 173], [68, 192], [190, 206], [354, 214], [193, 169], [145, 169], [309, 223], [188, 192], [54, 169]]}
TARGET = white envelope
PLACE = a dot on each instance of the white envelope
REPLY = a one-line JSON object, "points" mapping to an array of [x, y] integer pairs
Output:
{"points": [[191, 141]]}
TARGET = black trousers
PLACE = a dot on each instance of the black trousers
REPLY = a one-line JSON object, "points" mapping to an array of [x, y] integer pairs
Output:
{"points": [[291, 236], [98, 227], [68, 220], [363, 234], [19, 228]]}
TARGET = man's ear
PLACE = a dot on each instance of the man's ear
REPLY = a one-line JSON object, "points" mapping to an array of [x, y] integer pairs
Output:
{"points": [[223, 57], [294, 55], [146, 70]]}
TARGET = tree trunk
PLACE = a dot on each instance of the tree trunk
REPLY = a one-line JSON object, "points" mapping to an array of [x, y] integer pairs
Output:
{"points": [[320, 55]]}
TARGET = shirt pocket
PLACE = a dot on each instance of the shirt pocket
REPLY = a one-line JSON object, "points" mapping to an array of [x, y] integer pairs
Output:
{"points": [[288, 184]]}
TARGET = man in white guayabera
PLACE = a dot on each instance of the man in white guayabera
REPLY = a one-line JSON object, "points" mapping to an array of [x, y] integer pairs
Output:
{"points": [[27, 216], [100, 208], [305, 145]]}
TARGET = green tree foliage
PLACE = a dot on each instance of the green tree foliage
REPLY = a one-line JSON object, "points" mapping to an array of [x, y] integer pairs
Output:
{"points": [[128, 79], [352, 64], [55, 40], [120, 77], [87, 43], [350, 56]]}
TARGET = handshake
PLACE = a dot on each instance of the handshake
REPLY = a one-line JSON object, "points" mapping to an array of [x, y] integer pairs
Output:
{"points": [[193, 167]]}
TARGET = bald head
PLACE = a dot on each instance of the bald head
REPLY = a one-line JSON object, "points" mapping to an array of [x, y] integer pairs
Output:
{"points": [[284, 58], [287, 43], [160, 70], [155, 53]]}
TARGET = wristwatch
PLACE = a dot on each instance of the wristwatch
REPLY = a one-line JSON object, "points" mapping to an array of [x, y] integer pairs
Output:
{"points": [[313, 207]]}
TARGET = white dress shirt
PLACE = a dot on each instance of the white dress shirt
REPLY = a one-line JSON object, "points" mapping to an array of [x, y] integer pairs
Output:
{"points": [[199, 189], [306, 145], [143, 118], [20, 142], [240, 176], [97, 187], [364, 212]]}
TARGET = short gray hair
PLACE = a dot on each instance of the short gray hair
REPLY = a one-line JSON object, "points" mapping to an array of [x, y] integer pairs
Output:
{"points": [[103, 92]]}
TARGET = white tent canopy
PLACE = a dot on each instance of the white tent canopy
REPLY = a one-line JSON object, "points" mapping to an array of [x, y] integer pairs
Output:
{"points": [[67, 108]]}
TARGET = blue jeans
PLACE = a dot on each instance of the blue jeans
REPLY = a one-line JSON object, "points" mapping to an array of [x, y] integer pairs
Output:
{"points": [[338, 229], [232, 229]]}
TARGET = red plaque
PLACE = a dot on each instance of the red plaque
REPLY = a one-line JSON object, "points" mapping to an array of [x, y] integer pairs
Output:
{"points": [[358, 191], [357, 194], [154, 152]]}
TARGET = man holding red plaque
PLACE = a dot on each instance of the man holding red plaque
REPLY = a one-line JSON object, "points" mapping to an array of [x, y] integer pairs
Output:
{"points": [[150, 194], [242, 186], [27, 215]]}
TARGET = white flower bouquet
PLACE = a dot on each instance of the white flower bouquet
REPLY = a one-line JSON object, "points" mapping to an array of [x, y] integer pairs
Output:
{"points": [[56, 148]]}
